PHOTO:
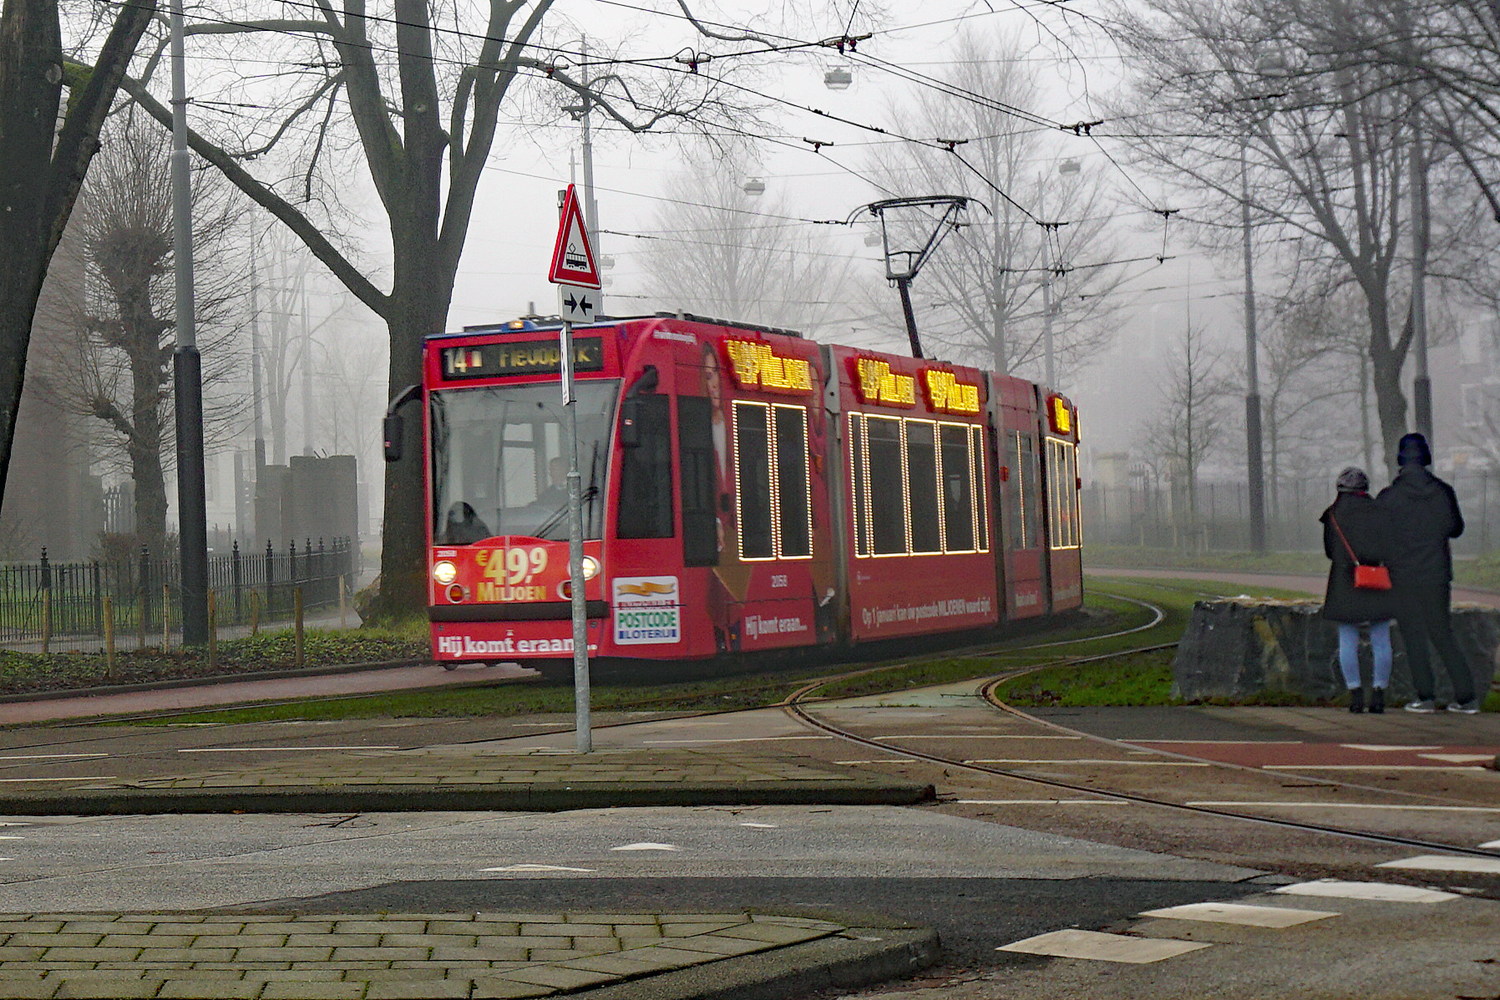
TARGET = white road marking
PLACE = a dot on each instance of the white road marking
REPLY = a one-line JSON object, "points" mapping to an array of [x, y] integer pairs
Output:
{"points": [[49, 756], [1378, 891], [1087, 760], [1369, 767], [1441, 863], [537, 868], [82, 777], [1381, 748], [1355, 805], [277, 749], [1493, 845], [1459, 758], [1043, 802], [740, 739], [12, 838], [647, 846], [1240, 913], [1226, 743], [882, 760], [761, 826], [1102, 947]]}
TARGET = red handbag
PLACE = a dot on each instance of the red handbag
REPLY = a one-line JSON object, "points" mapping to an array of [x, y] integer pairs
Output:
{"points": [[1365, 577]]}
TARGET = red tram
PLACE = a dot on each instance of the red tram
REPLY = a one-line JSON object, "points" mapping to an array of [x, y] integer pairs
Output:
{"points": [[744, 490]]}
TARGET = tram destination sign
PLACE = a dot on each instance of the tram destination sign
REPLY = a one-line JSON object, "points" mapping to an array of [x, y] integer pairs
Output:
{"points": [[524, 357]]}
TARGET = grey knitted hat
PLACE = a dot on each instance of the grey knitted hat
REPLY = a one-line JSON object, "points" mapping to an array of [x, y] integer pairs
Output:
{"points": [[1353, 480]]}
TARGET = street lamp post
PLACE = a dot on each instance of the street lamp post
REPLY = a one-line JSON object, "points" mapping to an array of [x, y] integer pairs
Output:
{"points": [[1254, 449]]}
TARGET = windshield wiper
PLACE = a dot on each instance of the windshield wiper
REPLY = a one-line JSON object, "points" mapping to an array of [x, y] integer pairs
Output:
{"points": [[562, 512]]}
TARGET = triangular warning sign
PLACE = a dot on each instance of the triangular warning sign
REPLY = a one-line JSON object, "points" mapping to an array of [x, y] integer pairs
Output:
{"points": [[573, 256]]}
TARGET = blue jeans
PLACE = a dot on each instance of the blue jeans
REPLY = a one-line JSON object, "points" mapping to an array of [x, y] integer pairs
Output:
{"points": [[1380, 645]]}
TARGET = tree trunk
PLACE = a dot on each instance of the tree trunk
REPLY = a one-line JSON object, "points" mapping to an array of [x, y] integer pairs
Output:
{"points": [[1385, 376], [30, 42]]}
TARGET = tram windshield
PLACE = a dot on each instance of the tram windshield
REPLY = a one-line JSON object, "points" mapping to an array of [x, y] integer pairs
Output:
{"points": [[500, 461]]}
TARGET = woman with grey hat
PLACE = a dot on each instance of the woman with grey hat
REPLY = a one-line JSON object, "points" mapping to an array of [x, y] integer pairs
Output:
{"points": [[1355, 530]]}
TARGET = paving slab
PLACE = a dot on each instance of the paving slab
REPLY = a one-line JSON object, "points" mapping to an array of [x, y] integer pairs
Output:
{"points": [[599, 952]]}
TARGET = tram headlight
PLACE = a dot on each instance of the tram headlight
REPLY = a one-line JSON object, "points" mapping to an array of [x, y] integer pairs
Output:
{"points": [[590, 567], [444, 572]]}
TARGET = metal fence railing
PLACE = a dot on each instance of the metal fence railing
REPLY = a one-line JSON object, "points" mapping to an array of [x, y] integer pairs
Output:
{"points": [[64, 605]]}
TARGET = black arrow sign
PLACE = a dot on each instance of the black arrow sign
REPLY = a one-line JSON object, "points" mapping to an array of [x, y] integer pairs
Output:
{"points": [[578, 304]]}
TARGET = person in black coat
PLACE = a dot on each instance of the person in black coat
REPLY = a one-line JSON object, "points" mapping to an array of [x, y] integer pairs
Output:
{"points": [[1424, 515], [1355, 526]]}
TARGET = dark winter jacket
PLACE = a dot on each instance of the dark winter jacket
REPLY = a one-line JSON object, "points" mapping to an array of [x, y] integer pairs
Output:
{"points": [[1367, 527], [1424, 514]]}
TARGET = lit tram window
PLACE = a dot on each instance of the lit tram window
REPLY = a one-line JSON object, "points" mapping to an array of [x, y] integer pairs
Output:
{"points": [[860, 484], [888, 535], [1062, 495], [957, 488], [772, 486], [793, 487], [922, 487], [981, 498]]}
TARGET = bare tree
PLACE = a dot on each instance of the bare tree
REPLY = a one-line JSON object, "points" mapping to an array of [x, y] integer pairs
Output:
{"points": [[748, 257], [1190, 420], [116, 363], [423, 89], [47, 148], [1044, 247]]}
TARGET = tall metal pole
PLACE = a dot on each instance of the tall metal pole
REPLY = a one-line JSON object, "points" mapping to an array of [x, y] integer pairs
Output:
{"points": [[1422, 384], [590, 207], [1254, 448], [255, 389], [581, 700], [1047, 310], [187, 368]]}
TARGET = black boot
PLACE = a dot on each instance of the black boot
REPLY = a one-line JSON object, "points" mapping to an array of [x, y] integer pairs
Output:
{"points": [[1377, 701], [1356, 700]]}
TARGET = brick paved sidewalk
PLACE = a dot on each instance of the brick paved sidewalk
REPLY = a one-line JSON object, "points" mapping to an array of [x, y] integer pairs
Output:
{"points": [[383, 956]]}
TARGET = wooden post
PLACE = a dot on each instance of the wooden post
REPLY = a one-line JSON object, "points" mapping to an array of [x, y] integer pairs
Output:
{"points": [[213, 630], [297, 602], [110, 668], [46, 621]]}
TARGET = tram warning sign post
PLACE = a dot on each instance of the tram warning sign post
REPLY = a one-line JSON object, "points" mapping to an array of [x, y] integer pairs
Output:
{"points": [[576, 275]]}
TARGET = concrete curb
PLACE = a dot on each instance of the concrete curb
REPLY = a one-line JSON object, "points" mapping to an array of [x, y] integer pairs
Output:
{"points": [[456, 798], [860, 956]]}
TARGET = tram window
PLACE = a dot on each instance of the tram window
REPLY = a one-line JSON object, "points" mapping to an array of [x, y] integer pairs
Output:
{"points": [[1062, 494], [958, 497], [646, 473], [700, 521], [794, 504], [887, 488], [981, 506], [752, 468], [859, 488], [1023, 493], [922, 486]]}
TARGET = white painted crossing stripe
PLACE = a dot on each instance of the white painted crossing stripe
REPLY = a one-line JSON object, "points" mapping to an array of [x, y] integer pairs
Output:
{"points": [[12, 837], [882, 760], [741, 739], [1090, 760], [537, 868], [49, 756], [1223, 743], [1240, 913], [1383, 747], [81, 777], [1459, 758], [1102, 947], [761, 826], [646, 846], [277, 749], [1369, 767], [1493, 845], [1355, 805], [1042, 802], [1441, 863], [1380, 892]]}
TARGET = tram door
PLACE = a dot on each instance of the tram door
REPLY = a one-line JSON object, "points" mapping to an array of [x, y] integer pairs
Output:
{"points": [[1020, 492], [1064, 530]]}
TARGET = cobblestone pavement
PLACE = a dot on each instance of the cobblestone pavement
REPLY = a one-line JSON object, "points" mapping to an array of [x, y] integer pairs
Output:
{"points": [[379, 956]]}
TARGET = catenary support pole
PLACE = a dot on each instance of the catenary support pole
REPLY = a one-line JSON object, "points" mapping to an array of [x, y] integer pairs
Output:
{"points": [[187, 369], [1254, 448]]}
